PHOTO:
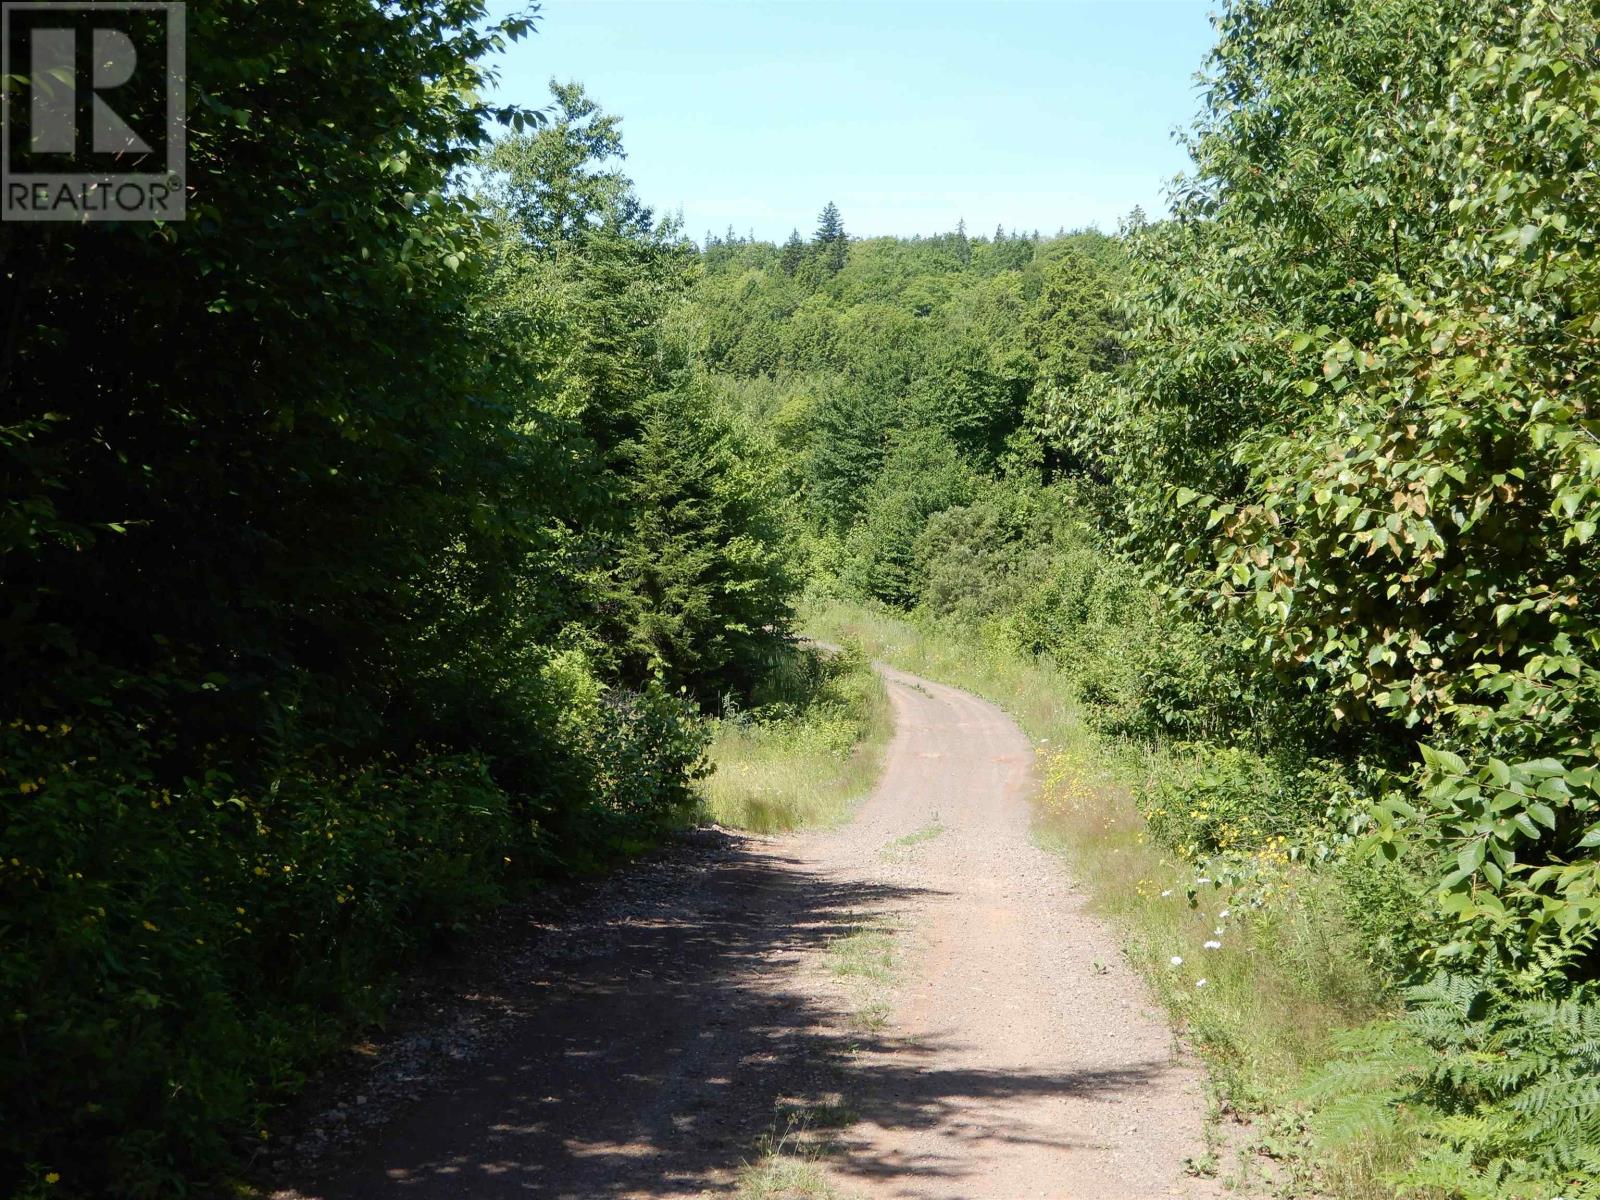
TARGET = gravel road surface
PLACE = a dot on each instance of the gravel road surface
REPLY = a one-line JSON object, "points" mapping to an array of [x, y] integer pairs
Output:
{"points": [[645, 1044]]}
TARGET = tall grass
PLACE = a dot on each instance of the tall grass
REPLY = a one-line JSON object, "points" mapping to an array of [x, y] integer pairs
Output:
{"points": [[1263, 1004], [808, 751]]}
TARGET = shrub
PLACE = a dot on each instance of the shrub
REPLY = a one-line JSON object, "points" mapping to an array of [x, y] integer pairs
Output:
{"points": [[176, 953], [1211, 800], [179, 950]]}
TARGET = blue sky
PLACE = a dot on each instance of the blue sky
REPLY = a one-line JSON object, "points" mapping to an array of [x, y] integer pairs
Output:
{"points": [[909, 114]]}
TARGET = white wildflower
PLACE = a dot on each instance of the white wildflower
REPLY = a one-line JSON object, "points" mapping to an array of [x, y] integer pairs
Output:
{"points": [[1213, 945], [1177, 960], [1199, 983], [1166, 893]]}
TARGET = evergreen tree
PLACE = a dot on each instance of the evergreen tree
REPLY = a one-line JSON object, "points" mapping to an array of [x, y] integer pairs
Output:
{"points": [[963, 243], [832, 244], [702, 574], [847, 451], [794, 253]]}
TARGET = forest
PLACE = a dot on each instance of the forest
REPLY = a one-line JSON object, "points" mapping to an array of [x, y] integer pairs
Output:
{"points": [[379, 552]]}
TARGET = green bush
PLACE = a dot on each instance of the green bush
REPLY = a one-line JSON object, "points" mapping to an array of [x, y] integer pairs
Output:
{"points": [[176, 954], [1209, 800]]}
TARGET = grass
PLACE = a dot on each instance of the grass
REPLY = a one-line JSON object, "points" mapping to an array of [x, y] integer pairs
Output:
{"points": [[1263, 1005], [786, 1164], [803, 758], [863, 957], [901, 847], [806, 758], [783, 1176]]}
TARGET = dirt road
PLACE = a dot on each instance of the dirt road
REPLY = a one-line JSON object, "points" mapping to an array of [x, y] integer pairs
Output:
{"points": [[671, 1026]]}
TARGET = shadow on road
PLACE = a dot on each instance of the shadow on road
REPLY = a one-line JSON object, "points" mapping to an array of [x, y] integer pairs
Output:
{"points": [[661, 1040]]}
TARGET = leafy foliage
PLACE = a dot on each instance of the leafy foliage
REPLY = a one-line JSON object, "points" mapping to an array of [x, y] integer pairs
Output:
{"points": [[356, 567], [1506, 1090]]}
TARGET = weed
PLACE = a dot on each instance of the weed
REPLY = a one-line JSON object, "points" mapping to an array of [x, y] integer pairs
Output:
{"points": [[807, 756], [901, 846]]}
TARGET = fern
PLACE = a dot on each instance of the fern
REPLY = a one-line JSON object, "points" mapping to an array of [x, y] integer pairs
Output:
{"points": [[1505, 1091]]}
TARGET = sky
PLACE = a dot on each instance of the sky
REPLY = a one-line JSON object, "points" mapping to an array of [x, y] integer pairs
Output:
{"points": [[910, 115]]}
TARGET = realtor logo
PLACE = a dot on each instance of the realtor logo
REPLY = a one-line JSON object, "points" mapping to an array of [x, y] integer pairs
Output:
{"points": [[91, 111]]}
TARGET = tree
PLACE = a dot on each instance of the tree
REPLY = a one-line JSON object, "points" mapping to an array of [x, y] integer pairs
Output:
{"points": [[831, 243], [703, 571], [847, 450], [268, 499], [793, 254], [563, 182], [922, 475]]}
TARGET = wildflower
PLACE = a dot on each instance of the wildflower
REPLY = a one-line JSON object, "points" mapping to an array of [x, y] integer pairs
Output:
{"points": [[1213, 945], [1223, 915], [1177, 960], [1166, 893], [53, 1177], [1199, 983], [1202, 880], [152, 928]]}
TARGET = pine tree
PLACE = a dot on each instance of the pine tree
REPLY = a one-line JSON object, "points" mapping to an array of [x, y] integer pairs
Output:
{"points": [[793, 254], [832, 243], [963, 243]]}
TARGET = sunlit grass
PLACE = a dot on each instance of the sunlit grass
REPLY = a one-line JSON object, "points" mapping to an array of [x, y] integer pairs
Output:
{"points": [[902, 847], [781, 1176], [786, 1163], [807, 769]]}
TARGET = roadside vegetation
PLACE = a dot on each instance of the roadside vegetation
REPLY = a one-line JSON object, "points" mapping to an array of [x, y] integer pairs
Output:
{"points": [[807, 749], [368, 558]]}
